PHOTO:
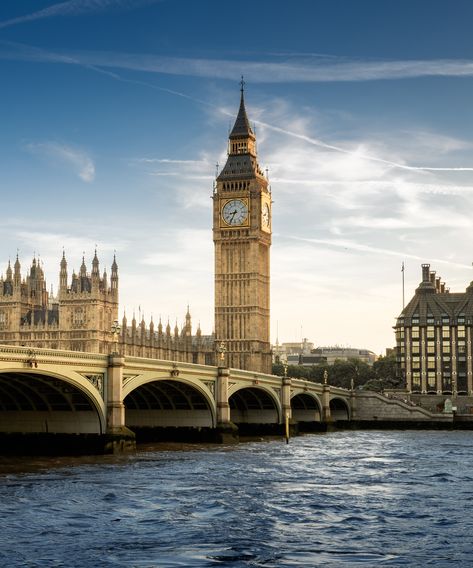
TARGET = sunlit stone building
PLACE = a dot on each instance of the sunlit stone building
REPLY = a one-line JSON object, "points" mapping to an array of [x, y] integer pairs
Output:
{"points": [[242, 228], [83, 316], [433, 336]]}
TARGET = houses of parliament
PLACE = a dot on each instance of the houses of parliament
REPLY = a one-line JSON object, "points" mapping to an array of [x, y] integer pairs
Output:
{"points": [[83, 315]]}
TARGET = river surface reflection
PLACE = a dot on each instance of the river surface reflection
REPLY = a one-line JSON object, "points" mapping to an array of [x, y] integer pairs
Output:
{"points": [[334, 500]]}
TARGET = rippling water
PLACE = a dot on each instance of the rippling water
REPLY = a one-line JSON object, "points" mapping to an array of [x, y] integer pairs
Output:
{"points": [[334, 500]]}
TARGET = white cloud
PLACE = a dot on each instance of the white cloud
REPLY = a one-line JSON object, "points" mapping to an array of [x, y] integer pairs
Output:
{"points": [[269, 70], [79, 160]]}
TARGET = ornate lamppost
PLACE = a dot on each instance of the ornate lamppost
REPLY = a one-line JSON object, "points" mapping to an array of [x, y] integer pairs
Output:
{"points": [[221, 350], [285, 366], [325, 377], [116, 328]]}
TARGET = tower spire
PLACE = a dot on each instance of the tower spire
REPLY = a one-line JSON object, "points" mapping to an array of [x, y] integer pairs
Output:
{"points": [[242, 127]]}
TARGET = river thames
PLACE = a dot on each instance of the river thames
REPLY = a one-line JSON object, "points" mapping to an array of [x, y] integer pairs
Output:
{"points": [[335, 500]]}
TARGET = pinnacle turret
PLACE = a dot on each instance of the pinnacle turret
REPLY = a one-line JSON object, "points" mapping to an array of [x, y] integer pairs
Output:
{"points": [[17, 273], [114, 276], [9, 272], [63, 274], [95, 265], [83, 268]]}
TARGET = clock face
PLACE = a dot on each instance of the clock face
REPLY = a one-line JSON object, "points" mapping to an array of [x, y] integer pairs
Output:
{"points": [[235, 212], [265, 215]]}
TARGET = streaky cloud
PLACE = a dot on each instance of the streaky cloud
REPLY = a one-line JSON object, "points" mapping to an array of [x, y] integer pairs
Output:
{"points": [[298, 69], [81, 162], [73, 8], [354, 246], [229, 70], [170, 161], [322, 144]]}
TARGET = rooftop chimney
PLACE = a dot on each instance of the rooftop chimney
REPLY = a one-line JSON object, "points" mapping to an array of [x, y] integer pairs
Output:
{"points": [[426, 273]]}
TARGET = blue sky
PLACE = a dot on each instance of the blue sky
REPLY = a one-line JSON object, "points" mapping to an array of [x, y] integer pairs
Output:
{"points": [[114, 113]]}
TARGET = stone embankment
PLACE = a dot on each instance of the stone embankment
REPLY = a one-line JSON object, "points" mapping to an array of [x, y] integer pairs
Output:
{"points": [[374, 410]]}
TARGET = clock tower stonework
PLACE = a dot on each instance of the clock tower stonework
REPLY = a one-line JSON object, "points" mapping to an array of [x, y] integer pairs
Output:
{"points": [[242, 237]]}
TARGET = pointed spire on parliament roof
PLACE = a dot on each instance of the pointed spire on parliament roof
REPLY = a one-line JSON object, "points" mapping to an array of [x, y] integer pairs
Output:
{"points": [[242, 127], [9, 271], [83, 268]]}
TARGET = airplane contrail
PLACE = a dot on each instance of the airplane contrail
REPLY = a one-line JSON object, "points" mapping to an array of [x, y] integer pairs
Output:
{"points": [[350, 245], [322, 144], [75, 60]]}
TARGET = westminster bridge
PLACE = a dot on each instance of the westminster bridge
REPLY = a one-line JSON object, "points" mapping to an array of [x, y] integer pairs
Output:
{"points": [[109, 397]]}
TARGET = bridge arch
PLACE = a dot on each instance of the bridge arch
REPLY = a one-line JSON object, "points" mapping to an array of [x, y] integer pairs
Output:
{"points": [[162, 400], [254, 404], [339, 409], [306, 406], [47, 401]]}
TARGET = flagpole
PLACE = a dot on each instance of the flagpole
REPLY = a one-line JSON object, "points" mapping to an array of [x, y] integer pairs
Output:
{"points": [[403, 296]]}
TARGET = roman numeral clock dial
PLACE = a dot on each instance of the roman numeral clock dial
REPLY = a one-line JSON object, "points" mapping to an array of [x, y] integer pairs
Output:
{"points": [[235, 212]]}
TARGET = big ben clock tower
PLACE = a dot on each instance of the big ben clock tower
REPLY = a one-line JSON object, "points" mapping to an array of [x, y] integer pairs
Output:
{"points": [[242, 237]]}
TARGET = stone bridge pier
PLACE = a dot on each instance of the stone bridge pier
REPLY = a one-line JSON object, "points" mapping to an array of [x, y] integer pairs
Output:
{"points": [[92, 403], [119, 437]]}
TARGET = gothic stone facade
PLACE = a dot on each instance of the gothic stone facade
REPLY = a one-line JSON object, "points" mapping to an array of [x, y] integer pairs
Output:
{"points": [[433, 336], [81, 317]]}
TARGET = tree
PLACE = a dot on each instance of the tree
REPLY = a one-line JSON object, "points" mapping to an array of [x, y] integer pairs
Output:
{"points": [[353, 372], [386, 371]]}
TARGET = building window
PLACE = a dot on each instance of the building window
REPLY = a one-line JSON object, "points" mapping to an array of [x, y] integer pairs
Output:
{"points": [[445, 331], [430, 332], [447, 383], [416, 379], [431, 348], [461, 331], [446, 347], [431, 379], [431, 362], [415, 333], [78, 317]]}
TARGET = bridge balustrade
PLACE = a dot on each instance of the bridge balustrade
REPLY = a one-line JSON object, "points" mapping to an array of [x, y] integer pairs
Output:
{"points": [[63, 392]]}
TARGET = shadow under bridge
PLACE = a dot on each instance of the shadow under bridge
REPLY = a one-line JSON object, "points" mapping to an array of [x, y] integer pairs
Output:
{"points": [[255, 411], [169, 409], [38, 403]]}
